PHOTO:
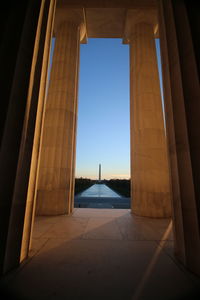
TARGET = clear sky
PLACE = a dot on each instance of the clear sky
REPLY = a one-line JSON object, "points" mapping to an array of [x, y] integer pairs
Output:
{"points": [[103, 134]]}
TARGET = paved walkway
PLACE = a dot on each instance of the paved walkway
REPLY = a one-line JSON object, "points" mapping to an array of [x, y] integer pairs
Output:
{"points": [[101, 255], [101, 202]]}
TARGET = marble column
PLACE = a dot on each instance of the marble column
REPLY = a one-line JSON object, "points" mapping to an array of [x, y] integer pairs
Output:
{"points": [[149, 162], [74, 147], [20, 86], [182, 93], [42, 52], [57, 154]]}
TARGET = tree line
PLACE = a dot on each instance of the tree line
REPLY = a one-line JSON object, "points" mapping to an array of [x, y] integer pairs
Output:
{"points": [[82, 184], [121, 186]]}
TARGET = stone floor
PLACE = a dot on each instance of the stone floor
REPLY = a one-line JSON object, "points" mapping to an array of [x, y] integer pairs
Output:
{"points": [[101, 254], [101, 202]]}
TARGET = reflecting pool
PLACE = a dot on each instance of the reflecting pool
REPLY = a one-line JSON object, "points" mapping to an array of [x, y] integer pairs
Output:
{"points": [[99, 190]]}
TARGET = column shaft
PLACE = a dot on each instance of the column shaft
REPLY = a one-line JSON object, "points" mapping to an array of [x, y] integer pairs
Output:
{"points": [[182, 94], [74, 141], [20, 87], [56, 165], [149, 163]]}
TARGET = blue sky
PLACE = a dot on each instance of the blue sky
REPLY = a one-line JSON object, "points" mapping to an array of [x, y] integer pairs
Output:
{"points": [[103, 134], [103, 117]]}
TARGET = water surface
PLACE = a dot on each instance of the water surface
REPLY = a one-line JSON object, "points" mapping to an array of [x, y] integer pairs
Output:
{"points": [[99, 190]]}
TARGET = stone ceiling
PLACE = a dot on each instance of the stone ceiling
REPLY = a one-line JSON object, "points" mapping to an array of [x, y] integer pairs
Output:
{"points": [[107, 19]]}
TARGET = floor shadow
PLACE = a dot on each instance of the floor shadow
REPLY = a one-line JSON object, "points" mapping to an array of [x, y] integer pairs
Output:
{"points": [[101, 254]]}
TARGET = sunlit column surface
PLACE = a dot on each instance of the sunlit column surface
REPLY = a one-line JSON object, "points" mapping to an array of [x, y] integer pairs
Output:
{"points": [[57, 154], [149, 164], [182, 93]]}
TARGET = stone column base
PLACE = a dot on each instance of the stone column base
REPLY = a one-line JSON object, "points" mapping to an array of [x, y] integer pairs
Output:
{"points": [[52, 202], [154, 205]]}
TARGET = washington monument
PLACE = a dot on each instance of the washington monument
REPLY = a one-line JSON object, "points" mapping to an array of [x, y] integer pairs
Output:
{"points": [[99, 172]]}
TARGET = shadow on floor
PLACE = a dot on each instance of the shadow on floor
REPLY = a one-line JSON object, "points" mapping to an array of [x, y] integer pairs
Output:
{"points": [[101, 254]]}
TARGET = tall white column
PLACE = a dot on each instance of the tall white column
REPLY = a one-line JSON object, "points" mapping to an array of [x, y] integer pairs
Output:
{"points": [[150, 186], [58, 146], [182, 93]]}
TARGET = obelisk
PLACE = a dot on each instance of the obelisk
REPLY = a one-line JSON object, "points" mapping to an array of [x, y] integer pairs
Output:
{"points": [[99, 173]]}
